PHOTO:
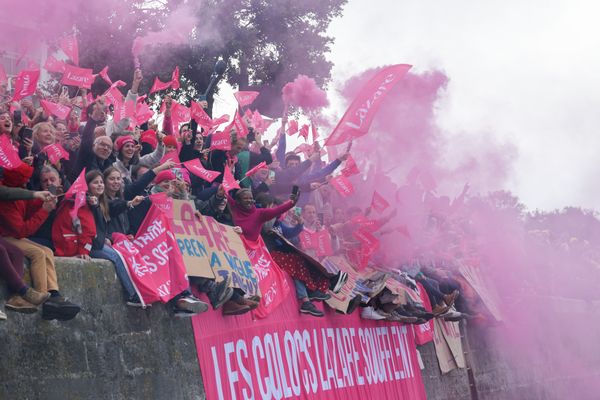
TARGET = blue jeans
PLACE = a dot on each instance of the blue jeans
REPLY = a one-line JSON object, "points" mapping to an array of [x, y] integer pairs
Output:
{"points": [[107, 253], [301, 292]]}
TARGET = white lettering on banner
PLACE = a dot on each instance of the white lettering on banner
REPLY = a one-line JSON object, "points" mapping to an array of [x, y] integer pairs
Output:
{"points": [[272, 366], [363, 111], [26, 83], [154, 230]]}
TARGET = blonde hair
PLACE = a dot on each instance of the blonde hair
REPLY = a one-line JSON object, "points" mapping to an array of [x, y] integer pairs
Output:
{"points": [[41, 125]]}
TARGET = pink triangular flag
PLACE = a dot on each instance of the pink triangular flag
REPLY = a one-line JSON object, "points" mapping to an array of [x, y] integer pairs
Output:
{"points": [[304, 132], [70, 47], [26, 84], [229, 182], [379, 203], [77, 191], [292, 127], [170, 156], [350, 168], [245, 98], [54, 65], [60, 110], [159, 85], [262, 165], [342, 185], [9, 158], [175, 79], [55, 153]]}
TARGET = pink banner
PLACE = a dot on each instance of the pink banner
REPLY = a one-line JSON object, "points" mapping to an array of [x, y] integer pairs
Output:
{"points": [[54, 65], [289, 355], [424, 332], [350, 168], [55, 153], [379, 203], [196, 168], [239, 125], [155, 263], [70, 47], [342, 185], [272, 282], [80, 77], [357, 119]]}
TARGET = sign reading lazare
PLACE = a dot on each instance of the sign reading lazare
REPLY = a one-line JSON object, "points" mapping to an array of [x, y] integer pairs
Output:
{"points": [[210, 249]]}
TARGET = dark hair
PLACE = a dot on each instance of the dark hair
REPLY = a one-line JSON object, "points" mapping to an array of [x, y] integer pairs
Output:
{"points": [[89, 177], [264, 199], [292, 157], [135, 171], [181, 127], [239, 193]]}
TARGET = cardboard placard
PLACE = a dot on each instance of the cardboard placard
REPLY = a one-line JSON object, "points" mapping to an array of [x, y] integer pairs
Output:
{"points": [[341, 300], [210, 249]]}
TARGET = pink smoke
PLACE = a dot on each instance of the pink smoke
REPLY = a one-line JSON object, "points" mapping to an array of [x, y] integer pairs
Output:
{"points": [[303, 92]]}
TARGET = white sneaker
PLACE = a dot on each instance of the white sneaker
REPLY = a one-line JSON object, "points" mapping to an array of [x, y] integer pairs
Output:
{"points": [[371, 313], [2, 315], [191, 304]]}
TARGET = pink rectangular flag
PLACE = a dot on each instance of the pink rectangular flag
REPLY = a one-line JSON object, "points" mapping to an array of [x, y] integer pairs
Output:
{"points": [[222, 119], [262, 165], [196, 168], [143, 113], [379, 203], [69, 46], [357, 119], [245, 98], [350, 168], [113, 96], [54, 65], [9, 158], [55, 153], [221, 141], [292, 127], [170, 156], [164, 203], [229, 182], [303, 132], [200, 115], [104, 75], [307, 239], [26, 84], [60, 110], [124, 110], [175, 79], [323, 241], [370, 243], [342, 185], [80, 77], [180, 113], [153, 258]]}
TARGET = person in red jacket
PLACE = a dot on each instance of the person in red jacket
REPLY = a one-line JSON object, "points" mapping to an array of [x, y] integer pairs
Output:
{"points": [[17, 221]]}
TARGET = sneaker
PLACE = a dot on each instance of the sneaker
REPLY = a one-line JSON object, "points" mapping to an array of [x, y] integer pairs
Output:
{"points": [[452, 315], [397, 317], [2, 316], [220, 295], [247, 302], [59, 308], [309, 308], [233, 308], [191, 304], [338, 281], [134, 301], [183, 313], [255, 298], [34, 297], [371, 313], [317, 295], [354, 303], [19, 304]]}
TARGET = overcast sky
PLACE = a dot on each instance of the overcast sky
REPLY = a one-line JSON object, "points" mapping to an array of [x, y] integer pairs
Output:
{"points": [[527, 71]]}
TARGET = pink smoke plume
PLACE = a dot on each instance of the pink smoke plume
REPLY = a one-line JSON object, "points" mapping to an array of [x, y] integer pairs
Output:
{"points": [[303, 92]]}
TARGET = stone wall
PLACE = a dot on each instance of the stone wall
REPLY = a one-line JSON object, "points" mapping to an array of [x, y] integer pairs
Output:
{"points": [[111, 351]]}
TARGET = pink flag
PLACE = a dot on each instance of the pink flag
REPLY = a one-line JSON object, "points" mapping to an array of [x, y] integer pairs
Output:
{"points": [[350, 168], [304, 132], [55, 153], [69, 46], [379, 203], [80, 77], [143, 113], [342, 185], [323, 241], [292, 127], [159, 85], [54, 65], [315, 134], [229, 182], [170, 156], [357, 119], [3, 76], [369, 242], [240, 125], [164, 203], [77, 191], [200, 115], [9, 158], [248, 114], [104, 75], [155, 263], [271, 279], [180, 113], [245, 98], [175, 79], [262, 165], [113, 96], [26, 84], [60, 110], [258, 122], [124, 110], [221, 141], [222, 119], [196, 168], [308, 239]]}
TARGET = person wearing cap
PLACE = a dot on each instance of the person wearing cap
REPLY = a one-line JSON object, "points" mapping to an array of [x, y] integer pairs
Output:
{"points": [[128, 155], [18, 221], [148, 141]]}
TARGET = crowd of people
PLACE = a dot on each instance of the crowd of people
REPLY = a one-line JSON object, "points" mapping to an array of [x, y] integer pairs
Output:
{"points": [[287, 201]]}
